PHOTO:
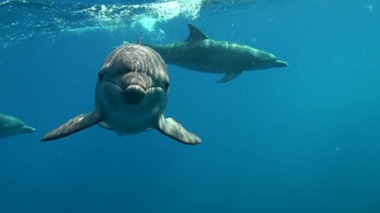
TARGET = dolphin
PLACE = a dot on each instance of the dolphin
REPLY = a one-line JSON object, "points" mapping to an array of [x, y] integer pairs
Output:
{"points": [[199, 52], [131, 94], [10, 126]]}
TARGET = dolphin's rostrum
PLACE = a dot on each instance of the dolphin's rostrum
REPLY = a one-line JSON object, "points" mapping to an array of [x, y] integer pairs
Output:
{"points": [[199, 52], [130, 97]]}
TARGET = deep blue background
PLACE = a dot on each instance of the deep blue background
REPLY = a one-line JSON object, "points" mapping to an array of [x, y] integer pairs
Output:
{"points": [[299, 139]]}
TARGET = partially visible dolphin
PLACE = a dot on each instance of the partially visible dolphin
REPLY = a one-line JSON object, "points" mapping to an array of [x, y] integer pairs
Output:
{"points": [[199, 52], [131, 94], [10, 126]]}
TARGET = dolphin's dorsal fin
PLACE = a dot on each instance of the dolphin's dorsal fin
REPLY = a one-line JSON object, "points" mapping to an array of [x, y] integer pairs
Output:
{"points": [[195, 33]]}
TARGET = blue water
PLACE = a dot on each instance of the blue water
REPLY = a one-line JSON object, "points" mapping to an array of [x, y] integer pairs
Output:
{"points": [[304, 138]]}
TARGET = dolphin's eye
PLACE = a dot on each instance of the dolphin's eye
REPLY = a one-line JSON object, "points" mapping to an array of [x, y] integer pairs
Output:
{"points": [[100, 77], [166, 85]]}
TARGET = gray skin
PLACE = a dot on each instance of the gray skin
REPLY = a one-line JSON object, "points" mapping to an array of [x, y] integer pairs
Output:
{"points": [[130, 97], [199, 52], [10, 126]]}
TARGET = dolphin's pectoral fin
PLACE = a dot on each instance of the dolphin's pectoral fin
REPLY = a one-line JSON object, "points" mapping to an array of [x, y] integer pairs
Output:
{"points": [[74, 125], [230, 75], [173, 129]]}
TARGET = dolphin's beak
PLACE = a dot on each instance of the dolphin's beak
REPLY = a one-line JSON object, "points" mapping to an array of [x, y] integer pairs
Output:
{"points": [[281, 63], [28, 129], [135, 89], [134, 94]]}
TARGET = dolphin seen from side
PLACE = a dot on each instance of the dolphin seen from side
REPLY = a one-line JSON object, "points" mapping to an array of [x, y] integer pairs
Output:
{"points": [[199, 52], [131, 94], [10, 126]]}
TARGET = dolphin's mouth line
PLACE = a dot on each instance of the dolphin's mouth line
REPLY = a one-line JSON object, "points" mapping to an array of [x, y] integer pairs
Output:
{"points": [[113, 83], [121, 88], [145, 89]]}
